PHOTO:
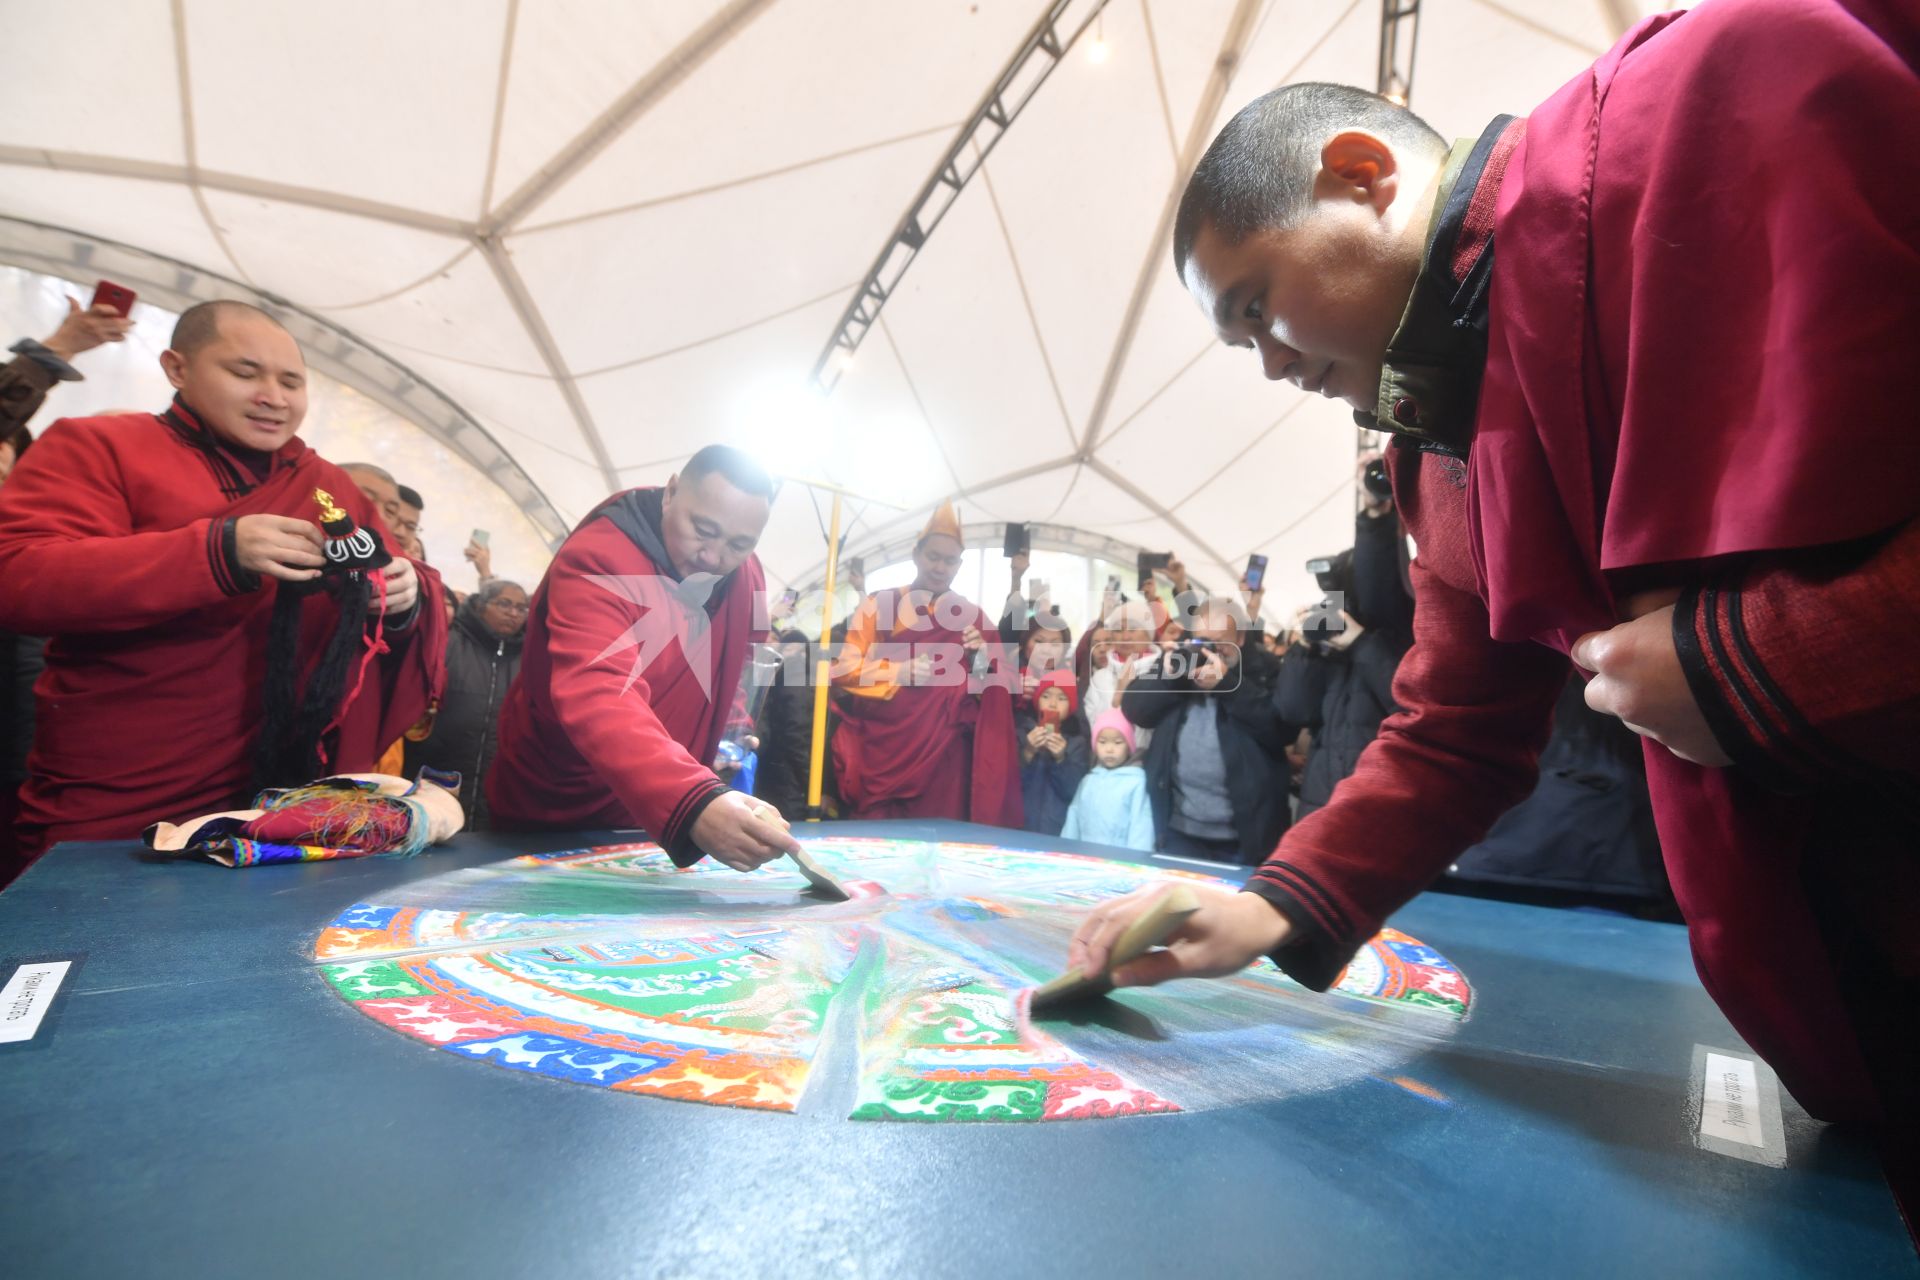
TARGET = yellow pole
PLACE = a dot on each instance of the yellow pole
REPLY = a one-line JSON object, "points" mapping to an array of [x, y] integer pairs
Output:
{"points": [[822, 672]]}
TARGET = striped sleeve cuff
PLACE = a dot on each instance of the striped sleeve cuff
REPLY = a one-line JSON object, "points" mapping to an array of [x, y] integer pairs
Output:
{"points": [[1756, 724], [223, 556], [676, 833], [1323, 938]]}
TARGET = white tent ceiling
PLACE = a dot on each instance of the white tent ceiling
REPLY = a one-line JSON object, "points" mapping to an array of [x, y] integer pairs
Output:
{"points": [[615, 230]]}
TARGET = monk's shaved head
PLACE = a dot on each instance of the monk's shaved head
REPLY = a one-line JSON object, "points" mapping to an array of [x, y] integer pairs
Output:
{"points": [[1259, 171], [200, 324]]}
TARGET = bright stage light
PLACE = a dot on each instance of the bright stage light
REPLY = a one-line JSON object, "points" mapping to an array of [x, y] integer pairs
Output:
{"points": [[1097, 51], [789, 426]]}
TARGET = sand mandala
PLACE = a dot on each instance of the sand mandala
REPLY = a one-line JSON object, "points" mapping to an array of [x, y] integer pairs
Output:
{"points": [[611, 967]]}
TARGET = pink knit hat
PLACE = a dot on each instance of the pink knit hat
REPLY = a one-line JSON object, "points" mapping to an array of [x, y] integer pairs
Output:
{"points": [[1117, 722]]}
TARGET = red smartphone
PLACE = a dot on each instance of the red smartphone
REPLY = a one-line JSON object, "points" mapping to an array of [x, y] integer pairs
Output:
{"points": [[1049, 717], [117, 296]]}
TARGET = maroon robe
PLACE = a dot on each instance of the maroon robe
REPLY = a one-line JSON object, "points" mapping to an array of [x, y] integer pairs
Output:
{"points": [[937, 750], [625, 687], [114, 544], [1695, 314]]}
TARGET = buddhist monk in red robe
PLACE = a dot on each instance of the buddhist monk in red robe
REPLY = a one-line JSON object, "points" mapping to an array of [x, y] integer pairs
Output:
{"points": [[151, 549], [1638, 352], [634, 649], [921, 735]]}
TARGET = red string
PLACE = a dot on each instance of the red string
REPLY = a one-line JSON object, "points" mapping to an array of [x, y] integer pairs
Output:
{"points": [[375, 645]]}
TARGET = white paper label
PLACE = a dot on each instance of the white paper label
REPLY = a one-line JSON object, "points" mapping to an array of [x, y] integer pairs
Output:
{"points": [[27, 997], [1730, 1105]]}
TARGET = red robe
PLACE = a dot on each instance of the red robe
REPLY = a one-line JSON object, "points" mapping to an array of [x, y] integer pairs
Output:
{"points": [[111, 544], [939, 750], [625, 689], [1688, 385]]}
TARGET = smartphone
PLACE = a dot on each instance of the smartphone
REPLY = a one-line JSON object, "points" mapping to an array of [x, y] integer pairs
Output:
{"points": [[1113, 584], [1256, 572], [789, 598], [1050, 717], [117, 296], [1018, 542], [480, 536], [856, 568], [1151, 560]]}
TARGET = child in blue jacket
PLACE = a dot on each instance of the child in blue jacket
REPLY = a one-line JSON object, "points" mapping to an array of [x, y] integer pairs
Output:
{"points": [[1111, 806]]}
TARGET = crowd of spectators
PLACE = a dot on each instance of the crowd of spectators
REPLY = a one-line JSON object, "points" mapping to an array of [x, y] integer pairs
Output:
{"points": [[1176, 722], [1179, 723]]}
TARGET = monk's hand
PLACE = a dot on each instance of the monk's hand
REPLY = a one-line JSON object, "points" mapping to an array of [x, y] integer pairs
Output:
{"points": [[1229, 932], [1638, 679], [971, 639], [280, 547], [403, 586], [741, 832]]}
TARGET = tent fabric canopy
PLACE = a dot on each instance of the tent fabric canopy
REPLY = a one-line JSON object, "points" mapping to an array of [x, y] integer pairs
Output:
{"points": [[612, 233]]}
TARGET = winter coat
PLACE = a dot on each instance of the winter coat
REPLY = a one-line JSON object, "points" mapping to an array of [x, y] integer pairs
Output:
{"points": [[1588, 826], [480, 669], [1047, 785], [1112, 808], [786, 748], [1342, 697], [1253, 742]]}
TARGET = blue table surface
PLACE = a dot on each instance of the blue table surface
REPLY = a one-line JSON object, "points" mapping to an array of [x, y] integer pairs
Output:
{"points": [[199, 1102]]}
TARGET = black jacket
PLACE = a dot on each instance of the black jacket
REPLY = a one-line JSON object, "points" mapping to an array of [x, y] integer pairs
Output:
{"points": [[1588, 826], [786, 748], [480, 668], [1342, 696], [22, 659], [1047, 785], [1253, 742]]}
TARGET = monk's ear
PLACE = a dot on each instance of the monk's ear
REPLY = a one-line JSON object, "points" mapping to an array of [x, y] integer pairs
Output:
{"points": [[174, 365], [1358, 166]]}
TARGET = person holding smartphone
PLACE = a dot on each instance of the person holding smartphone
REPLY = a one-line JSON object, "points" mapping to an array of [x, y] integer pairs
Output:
{"points": [[29, 376]]}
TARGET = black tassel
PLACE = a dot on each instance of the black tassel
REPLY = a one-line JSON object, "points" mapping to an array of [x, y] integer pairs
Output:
{"points": [[288, 750]]}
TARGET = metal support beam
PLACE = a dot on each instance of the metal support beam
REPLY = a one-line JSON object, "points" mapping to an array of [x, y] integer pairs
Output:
{"points": [[169, 283], [1399, 39], [1039, 53]]}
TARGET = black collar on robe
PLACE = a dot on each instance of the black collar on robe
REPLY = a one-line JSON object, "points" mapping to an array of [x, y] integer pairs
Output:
{"points": [[638, 513], [1430, 380], [237, 470]]}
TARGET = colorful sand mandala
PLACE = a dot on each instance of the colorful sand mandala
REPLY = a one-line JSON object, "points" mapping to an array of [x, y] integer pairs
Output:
{"points": [[611, 967]]}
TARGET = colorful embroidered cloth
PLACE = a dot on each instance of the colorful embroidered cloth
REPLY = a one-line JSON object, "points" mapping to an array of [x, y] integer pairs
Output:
{"points": [[351, 816]]}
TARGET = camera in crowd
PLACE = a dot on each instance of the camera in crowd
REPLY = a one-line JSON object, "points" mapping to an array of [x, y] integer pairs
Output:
{"points": [[1323, 623], [1374, 480]]}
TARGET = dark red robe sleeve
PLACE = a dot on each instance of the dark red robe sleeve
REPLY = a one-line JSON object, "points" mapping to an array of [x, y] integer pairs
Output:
{"points": [[1464, 751], [70, 561], [1804, 665]]}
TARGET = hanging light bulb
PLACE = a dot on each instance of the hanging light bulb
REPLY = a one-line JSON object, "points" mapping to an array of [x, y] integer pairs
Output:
{"points": [[1097, 51]]}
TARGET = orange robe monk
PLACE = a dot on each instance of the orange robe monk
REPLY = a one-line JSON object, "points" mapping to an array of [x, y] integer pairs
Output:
{"points": [[921, 735]]}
